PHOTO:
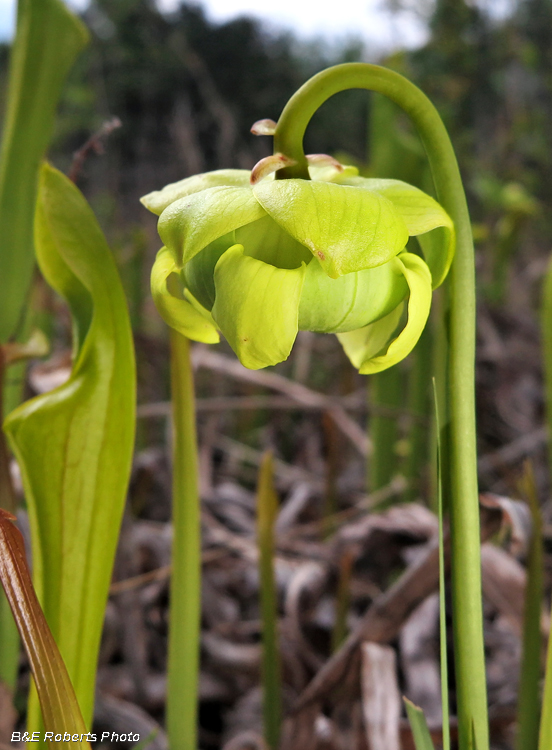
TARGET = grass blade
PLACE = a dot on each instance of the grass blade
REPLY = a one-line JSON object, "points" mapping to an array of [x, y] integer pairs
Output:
{"points": [[418, 724]]}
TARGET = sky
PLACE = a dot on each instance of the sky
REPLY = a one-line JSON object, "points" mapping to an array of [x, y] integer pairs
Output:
{"points": [[308, 18], [381, 31]]}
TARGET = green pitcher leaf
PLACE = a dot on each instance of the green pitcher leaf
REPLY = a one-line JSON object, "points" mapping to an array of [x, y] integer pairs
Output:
{"points": [[257, 307], [191, 223], [47, 41], [74, 444], [58, 702], [346, 228], [185, 316], [361, 346], [418, 724], [158, 200], [351, 301]]}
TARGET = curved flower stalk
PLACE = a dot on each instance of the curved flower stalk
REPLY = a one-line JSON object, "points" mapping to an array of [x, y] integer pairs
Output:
{"points": [[262, 258]]}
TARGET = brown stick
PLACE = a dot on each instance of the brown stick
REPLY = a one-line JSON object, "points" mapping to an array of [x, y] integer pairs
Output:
{"points": [[93, 144], [388, 612]]}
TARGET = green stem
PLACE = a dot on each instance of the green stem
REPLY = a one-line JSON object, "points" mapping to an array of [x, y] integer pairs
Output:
{"points": [[466, 558], [546, 333], [528, 714], [386, 391], [185, 601], [267, 510], [419, 436]]}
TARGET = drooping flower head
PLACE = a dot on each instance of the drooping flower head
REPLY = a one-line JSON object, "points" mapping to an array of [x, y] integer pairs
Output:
{"points": [[260, 258]]}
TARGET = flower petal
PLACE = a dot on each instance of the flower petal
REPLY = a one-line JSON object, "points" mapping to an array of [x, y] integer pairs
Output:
{"points": [[186, 317], [200, 271], [351, 301], [191, 223], [267, 241], [158, 200], [422, 215], [256, 307], [346, 228], [366, 347], [364, 343]]}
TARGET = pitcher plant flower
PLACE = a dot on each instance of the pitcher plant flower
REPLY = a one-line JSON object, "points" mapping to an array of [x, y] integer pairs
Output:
{"points": [[260, 258]]}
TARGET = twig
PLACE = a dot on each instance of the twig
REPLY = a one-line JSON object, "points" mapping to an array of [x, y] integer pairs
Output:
{"points": [[226, 403], [512, 452], [384, 618], [202, 357], [93, 144]]}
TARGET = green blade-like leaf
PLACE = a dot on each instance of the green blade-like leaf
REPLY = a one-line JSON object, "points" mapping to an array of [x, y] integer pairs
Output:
{"points": [[57, 697], [47, 41], [74, 444], [418, 724]]}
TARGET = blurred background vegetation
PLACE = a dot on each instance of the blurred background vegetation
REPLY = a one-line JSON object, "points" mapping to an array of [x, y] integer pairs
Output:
{"points": [[187, 91]]}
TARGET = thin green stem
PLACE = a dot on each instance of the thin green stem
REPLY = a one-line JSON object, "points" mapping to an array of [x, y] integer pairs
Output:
{"points": [[466, 559], [267, 509], [442, 580], [185, 601], [420, 439], [545, 732], [528, 714], [386, 390], [546, 332]]}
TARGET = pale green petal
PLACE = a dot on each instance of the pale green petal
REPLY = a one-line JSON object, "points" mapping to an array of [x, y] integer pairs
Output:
{"points": [[200, 271], [422, 215], [267, 241], [366, 348], [186, 317], [346, 228], [351, 301], [438, 248], [328, 173], [256, 307], [367, 342], [193, 222], [158, 200]]}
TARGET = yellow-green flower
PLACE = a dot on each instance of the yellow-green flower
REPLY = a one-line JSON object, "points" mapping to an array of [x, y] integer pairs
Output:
{"points": [[261, 261]]}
